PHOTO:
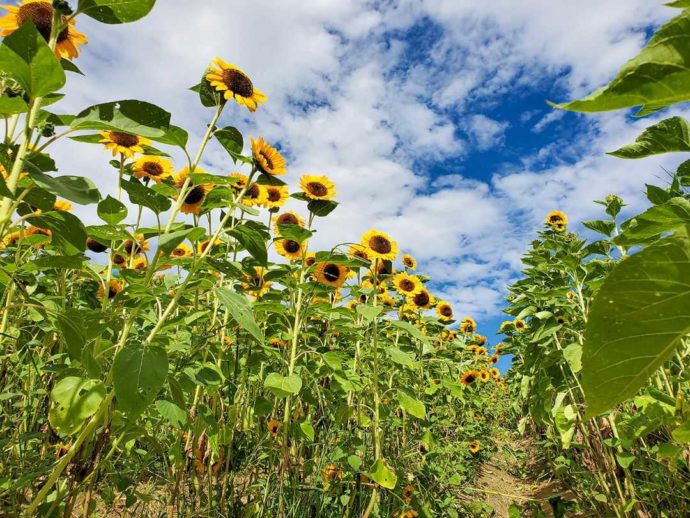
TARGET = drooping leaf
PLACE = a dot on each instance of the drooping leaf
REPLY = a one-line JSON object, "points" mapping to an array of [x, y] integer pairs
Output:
{"points": [[141, 195], [139, 372], [667, 136], [383, 475], [168, 242], [74, 400], [129, 116], [12, 105], [116, 11], [252, 241], [658, 76], [241, 312], [411, 405], [637, 318], [73, 188], [111, 210], [653, 222], [283, 386], [400, 357], [68, 232], [26, 57], [231, 140]]}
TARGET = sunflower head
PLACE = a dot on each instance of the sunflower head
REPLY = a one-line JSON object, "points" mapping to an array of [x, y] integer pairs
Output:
{"points": [[40, 12], [495, 373], [407, 492], [181, 250], [484, 375], [241, 181], [255, 284], [62, 205], [289, 249], [474, 446], [276, 196], [254, 195], [139, 263], [379, 245], [444, 311], [409, 262], [557, 220], [421, 300], [201, 247], [469, 377], [273, 427], [235, 84], [125, 144], [114, 287], [331, 274], [194, 199], [317, 187], [493, 359], [468, 325], [358, 251], [152, 167], [11, 239], [268, 159], [406, 284], [287, 218], [136, 246], [331, 473], [310, 259], [277, 342], [520, 325]]}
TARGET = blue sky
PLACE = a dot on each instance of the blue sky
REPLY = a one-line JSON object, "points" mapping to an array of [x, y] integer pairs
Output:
{"points": [[429, 115]]}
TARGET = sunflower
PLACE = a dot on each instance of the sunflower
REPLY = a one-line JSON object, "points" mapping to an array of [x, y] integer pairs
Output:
{"points": [[358, 251], [331, 274], [469, 377], [254, 195], [153, 167], [468, 325], [63, 206], [407, 493], [289, 249], [273, 427], [520, 325], [287, 218], [480, 351], [407, 284], [387, 301], [557, 220], [139, 263], [505, 326], [276, 195], [201, 247], [11, 239], [40, 12], [409, 262], [114, 287], [137, 245], [560, 319], [234, 84], [268, 159], [495, 373], [317, 187], [379, 245], [195, 198], [331, 473], [481, 340], [256, 285], [484, 376], [120, 260], [310, 259], [35, 231], [493, 359], [126, 144], [474, 446], [241, 181], [181, 250], [444, 311], [421, 300], [352, 304], [277, 342], [499, 347]]}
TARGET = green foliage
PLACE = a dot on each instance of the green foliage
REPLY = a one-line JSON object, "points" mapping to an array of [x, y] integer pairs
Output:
{"points": [[116, 11], [667, 136], [139, 372]]}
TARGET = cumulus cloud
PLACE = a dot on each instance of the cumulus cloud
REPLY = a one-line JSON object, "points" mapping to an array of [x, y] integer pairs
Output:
{"points": [[375, 94]]}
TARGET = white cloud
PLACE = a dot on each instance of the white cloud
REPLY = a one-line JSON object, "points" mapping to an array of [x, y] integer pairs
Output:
{"points": [[344, 100]]}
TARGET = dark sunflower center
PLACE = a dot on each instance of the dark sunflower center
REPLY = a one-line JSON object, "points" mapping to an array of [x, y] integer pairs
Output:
{"points": [[361, 254], [287, 219], [132, 248], [407, 262], [331, 272], [421, 299], [95, 246], [253, 191], [238, 83], [153, 169], [195, 195], [555, 219], [446, 311], [380, 244], [317, 189], [273, 195], [41, 14], [470, 378], [406, 285], [124, 139], [178, 252], [290, 246], [310, 261], [112, 292], [267, 159], [119, 259]]}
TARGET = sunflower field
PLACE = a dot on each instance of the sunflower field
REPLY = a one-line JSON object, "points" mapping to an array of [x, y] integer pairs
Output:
{"points": [[216, 364]]}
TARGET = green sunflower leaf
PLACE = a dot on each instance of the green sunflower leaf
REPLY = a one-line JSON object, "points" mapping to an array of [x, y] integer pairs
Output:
{"points": [[283, 386], [138, 374], [141, 195], [667, 136], [116, 11], [383, 475], [111, 210], [26, 57], [241, 311], [12, 105], [412, 406], [657, 77], [129, 116], [68, 232], [231, 140], [73, 188], [637, 319], [74, 400]]}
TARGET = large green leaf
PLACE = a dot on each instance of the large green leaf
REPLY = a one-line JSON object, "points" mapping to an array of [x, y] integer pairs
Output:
{"points": [[26, 57], [141, 195], [655, 221], [74, 400], [667, 136], [383, 475], [68, 231], [12, 105], [112, 211], [657, 77], [138, 374], [136, 117], [412, 406], [638, 317], [231, 139], [241, 311], [283, 386], [116, 11], [252, 240], [74, 188], [168, 242]]}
